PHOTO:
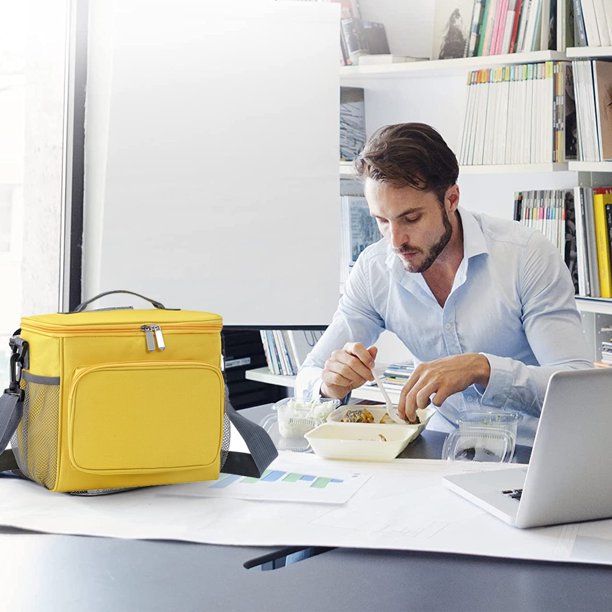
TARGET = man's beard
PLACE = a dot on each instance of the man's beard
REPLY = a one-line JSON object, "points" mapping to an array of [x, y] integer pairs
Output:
{"points": [[434, 250]]}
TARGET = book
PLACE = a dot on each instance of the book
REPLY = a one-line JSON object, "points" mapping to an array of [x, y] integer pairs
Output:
{"points": [[588, 141], [590, 23], [602, 79], [603, 246], [508, 27], [602, 22], [499, 21], [584, 283], [471, 44], [548, 26], [520, 36], [515, 26], [532, 28], [587, 196], [375, 38], [580, 38], [488, 25], [452, 23], [301, 342], [565, 24], [352, 122], [608, 11], [358, 227], [569, 239], [355, 43], [399, 369]]}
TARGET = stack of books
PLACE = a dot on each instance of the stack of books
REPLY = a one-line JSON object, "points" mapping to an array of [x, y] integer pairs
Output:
{"points": [[594, 240], [551, 211], [518, 114], [606, 353], [286, 349], [467, 28], [396, 375], [592, 23], [593, 94]]}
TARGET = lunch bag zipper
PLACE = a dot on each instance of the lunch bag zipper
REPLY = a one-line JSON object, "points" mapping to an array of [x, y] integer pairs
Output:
{"points": [[153, 335]]}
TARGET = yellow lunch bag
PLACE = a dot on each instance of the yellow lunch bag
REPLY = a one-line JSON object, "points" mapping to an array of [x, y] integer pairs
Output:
{"points": [[121, 398]]}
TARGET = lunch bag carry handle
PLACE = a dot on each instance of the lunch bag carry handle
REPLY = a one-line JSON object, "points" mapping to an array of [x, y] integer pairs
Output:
{"points": [[81, 307]]}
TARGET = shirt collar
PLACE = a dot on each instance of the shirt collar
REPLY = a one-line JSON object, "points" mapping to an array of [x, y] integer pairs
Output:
{"points": [[474, 244]]}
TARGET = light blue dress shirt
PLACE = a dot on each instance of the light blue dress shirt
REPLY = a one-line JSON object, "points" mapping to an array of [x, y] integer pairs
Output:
{"points": [[512, 300]]}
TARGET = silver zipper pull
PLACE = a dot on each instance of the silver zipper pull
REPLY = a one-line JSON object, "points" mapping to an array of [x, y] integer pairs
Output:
{"points": [[148, 331], [159, 337]]}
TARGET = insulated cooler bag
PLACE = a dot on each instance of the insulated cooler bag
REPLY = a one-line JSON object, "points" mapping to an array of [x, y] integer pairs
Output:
{"points": [[123, 398]]}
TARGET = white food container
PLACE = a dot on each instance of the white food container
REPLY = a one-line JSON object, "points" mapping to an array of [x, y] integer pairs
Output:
{"points": [[379, 412], [361, 441]]}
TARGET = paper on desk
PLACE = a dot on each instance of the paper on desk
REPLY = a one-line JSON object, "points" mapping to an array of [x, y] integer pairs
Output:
{"points": [[403, 505], [286, 482]]}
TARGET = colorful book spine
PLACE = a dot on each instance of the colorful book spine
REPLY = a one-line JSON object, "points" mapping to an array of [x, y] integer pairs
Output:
{"points": [[603, 245]]}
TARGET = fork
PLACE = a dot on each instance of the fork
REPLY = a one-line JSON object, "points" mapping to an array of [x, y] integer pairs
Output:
{"points": [[391, 409]]}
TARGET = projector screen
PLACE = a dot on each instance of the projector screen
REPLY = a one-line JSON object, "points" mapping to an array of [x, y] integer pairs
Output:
{"points": [[211, 157]]}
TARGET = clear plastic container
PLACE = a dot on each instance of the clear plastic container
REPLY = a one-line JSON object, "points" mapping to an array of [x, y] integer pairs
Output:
{"points": [[483, 435], [505, 420], [296, 417]]}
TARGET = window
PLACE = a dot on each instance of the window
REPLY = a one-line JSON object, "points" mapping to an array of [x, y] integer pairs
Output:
{"points": [[34, 48], [12, 146]]}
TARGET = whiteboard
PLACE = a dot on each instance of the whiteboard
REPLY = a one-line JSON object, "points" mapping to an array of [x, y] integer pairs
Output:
{"points": [[211, 157]]}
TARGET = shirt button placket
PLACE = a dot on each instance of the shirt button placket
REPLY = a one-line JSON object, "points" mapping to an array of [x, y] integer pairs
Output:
{"points": [[450, 331]]}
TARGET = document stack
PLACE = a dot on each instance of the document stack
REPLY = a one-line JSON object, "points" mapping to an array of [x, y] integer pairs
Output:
{"points": [[396, 375], [606, 353]]}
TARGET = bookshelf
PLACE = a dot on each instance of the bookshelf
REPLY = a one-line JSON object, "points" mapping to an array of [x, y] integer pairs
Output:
{"points": [[263, 375], [601, 306], [588, 52], [434, 92], [433, 68]]}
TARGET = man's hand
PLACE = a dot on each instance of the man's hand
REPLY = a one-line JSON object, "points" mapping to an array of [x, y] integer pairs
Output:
{"points": [[347, 369], [441, 378]]}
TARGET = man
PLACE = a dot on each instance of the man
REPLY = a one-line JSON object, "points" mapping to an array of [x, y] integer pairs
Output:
{"points": [[485, 306]]}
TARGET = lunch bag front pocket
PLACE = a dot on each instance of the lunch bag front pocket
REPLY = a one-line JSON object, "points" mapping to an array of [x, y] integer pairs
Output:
{"points": [[127, 418]]}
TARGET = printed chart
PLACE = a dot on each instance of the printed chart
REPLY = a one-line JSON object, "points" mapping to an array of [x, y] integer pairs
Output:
{"points": [[285, 483]]}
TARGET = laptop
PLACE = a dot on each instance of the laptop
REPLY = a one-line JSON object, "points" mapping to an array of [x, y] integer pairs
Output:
{"points": [[568, 477]]}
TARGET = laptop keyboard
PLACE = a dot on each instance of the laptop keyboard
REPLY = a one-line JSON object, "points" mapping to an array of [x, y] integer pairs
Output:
{"points": [[513, 493]]}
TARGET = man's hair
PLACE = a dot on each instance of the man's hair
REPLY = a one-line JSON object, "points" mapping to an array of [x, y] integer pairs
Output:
{"points": [[409, 155]]}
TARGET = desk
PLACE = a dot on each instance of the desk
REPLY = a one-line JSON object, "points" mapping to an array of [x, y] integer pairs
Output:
{"points": [[76, 574], [71, 573]]}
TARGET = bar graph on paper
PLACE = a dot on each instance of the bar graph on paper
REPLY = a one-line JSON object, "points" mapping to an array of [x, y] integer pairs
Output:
{"points": [[285, 483]]}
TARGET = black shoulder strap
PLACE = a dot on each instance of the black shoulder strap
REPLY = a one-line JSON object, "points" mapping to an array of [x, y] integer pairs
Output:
{"points": [[259, 443], [11, 401], [8, 461]]}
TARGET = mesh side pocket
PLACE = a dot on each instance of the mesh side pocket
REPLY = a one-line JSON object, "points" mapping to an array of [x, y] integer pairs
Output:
{"points": [[35, 441], [225, 444]]}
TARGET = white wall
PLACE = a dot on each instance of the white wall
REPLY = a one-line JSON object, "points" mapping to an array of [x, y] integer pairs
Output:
{"points": [[212, 156]]}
